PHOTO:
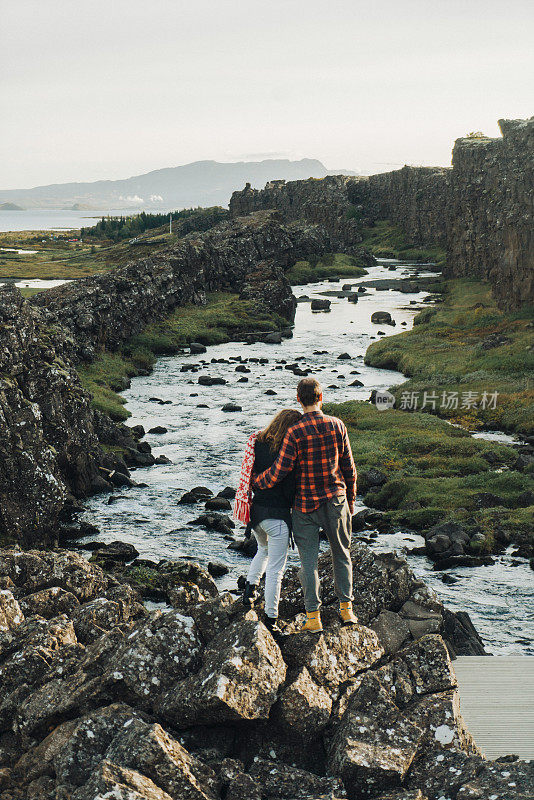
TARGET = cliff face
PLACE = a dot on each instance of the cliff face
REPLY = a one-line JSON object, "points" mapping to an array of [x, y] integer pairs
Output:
{"points": [[416, 198], [481, 209], [105, 310], [491, 212], [48, 445], [320, 202]]}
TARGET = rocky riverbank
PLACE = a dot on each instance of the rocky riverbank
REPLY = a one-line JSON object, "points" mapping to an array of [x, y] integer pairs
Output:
{"points": [[102, 697]]}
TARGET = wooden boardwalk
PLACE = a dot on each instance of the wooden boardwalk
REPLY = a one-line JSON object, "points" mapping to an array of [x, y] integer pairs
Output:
{"points": [[497, 702]]}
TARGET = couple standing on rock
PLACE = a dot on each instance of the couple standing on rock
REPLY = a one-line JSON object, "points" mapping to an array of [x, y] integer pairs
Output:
{"points": [[298, 477]]}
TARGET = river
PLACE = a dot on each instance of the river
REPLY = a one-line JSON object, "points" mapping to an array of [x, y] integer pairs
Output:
{"points": [[205, 446]]}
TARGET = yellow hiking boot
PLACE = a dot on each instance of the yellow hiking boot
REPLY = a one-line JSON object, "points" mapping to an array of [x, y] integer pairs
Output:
{"points": [[313, 623], [347, 614]]}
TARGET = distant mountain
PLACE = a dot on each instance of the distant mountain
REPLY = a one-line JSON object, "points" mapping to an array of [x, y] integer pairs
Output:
{"points": [[10, 207], [202, 183]]}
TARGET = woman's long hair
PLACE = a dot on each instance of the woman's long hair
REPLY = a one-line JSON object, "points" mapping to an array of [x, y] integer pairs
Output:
{"points": [[274, 433]]}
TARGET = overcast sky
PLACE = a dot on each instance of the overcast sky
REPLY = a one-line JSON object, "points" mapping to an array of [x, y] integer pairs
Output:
{"points": [[114, 88]]}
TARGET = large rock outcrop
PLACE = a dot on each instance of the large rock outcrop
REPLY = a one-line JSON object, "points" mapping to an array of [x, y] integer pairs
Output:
{"points": [[322, 202], [200, 703], [48, 444], [104, 311], [481, 210], [491, 212], [415, 198]]}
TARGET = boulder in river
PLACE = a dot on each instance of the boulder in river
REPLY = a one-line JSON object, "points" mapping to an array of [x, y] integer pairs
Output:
{"points": [[209, 380], [231, 407], [320, 305], [382, 318], [218, 504], [273, 338], [197, 348]]}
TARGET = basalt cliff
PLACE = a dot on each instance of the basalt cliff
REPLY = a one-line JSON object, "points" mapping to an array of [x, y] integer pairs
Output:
{"points": [[481, 209]]}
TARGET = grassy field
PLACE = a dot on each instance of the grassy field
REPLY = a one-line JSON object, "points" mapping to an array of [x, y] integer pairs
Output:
{"points": [[467, 345], [57, 258], [329, 266], [219, 321], [435, 472], [385, 240]]}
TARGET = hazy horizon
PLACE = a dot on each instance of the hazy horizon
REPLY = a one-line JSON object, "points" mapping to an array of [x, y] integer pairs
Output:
{"points": [[108, 91]]}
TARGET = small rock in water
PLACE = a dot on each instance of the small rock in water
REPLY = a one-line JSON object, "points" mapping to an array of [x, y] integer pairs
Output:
{"points": [[344, 356], [162, 459], [208, 380], [228, 492], [320, 305], [188, 499], [119, 479], [231, 407], [382, 317], [243, 380], [196, 347], [273, 338], [217, 569], [270, 392], [218, 504], [202, 492], [158, 429], [356, 383]]}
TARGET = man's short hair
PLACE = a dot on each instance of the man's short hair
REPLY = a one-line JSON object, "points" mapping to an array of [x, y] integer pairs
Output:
{"points": [[309, 391]]}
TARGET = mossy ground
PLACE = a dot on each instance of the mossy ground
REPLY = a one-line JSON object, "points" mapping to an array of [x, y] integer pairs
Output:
{"points": [[328, 266], [435, 472], [219, 321], [385, 240], [445, 352]]}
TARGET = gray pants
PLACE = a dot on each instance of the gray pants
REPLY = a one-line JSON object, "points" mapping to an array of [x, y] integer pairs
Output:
{"points": [[335, 519]]}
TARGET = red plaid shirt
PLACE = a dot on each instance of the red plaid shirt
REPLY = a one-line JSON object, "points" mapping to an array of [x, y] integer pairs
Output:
{"points": [[318, 447]]}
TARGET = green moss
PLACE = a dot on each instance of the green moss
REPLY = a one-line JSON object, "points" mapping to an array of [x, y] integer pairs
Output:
{"points": [[328, 266], [444, 352], [386, 240], [104, 378], [435, 471]]}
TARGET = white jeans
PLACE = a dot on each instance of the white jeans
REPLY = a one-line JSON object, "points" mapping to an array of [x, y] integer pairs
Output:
{"points": [[272, 536]]}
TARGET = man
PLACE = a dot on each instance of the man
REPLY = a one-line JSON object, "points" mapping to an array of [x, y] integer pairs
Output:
{"points": [[318, 446]]}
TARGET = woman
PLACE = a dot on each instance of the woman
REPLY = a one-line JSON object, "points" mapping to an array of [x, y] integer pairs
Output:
{"points": [[268, 513]]}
